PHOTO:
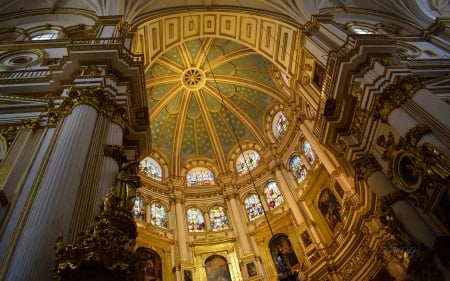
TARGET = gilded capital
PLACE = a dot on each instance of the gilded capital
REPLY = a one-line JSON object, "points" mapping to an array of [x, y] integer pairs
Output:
{"points": [[395, 95], [95, 97], [114, 151], [365, 166]]}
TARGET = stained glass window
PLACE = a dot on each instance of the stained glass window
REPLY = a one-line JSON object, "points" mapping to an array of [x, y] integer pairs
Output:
{"points": [[279, 125], [150, 168], [195, 220], [200, 176], [45, 36], [298, 168], [273, 195], [159, 215], [139, 208], [247, 161], [309, 152], [253, 206], [219, 219]]}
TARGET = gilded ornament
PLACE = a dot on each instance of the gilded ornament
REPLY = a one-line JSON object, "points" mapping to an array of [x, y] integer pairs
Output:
{"points": [[365, 166], [395, 95]]}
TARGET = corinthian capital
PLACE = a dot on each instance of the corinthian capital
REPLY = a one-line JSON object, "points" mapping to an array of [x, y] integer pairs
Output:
{"points": [[364, 166]]}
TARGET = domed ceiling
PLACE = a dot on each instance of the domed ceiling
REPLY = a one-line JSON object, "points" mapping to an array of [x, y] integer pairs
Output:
{"points": [[204, 96]]}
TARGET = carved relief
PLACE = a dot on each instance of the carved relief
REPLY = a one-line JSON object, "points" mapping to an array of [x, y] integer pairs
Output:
{"points": [[364, 166]]}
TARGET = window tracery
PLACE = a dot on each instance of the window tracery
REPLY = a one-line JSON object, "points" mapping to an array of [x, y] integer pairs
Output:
{"points": [[273, 195], [158, 215], [219, 218], [279, 125], [247, 161], [253, 207], [195, 220], [200, 176], [298, 168], [151, 168], [139, 208]]}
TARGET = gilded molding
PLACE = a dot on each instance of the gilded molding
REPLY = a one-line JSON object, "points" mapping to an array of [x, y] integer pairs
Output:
{"points": [[94, 97], [412, 136], [365, 166], [395, 95]]}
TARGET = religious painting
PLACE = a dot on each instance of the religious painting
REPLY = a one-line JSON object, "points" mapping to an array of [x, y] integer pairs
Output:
{"points": [[319, 75], [187, 275], [150, 267], [306, 239], [330, 208], [217, 269], [251, 269], [283, 253]]}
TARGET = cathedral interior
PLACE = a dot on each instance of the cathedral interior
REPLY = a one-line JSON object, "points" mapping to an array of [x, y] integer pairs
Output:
{"points": [[213, 140]]}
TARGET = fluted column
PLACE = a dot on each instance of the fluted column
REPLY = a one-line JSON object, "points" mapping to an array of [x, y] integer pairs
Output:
{"points": [[110, 164], [85, 204], [367, 168], [181, 228], [54, 202], [239, 225], [289, 197]]}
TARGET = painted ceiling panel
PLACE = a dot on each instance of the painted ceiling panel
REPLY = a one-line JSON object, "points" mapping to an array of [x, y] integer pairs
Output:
{"points": [[205, 111]]}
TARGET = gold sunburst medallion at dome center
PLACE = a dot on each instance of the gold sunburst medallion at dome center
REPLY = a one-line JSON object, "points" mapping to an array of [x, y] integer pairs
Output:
{"points": [[193, 78]]}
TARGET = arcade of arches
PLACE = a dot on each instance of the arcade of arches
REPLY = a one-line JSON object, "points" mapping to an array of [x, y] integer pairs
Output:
{"points": [[224, 142]]}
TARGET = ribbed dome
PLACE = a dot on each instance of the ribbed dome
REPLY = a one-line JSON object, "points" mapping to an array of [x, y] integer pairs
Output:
{"points": [[204, 95]]}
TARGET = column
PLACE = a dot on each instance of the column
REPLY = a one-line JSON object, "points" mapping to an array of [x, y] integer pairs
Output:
{"points": [[181, 228], [367, 168], [238, 224], [110, 164], [289, 197], [401, 121], [50, 213], [324, 158]]}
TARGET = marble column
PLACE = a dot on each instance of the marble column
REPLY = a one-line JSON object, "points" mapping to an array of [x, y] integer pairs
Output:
{"points": [[289, 197], [413, 224], [54, 202], [181, 228], [238, 224]]}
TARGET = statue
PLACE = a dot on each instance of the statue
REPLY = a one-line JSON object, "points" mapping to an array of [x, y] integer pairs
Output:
{"points": [[123, 193]]}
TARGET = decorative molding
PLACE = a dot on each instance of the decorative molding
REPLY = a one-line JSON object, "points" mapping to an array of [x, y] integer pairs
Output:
{"points": [[364, 166]]}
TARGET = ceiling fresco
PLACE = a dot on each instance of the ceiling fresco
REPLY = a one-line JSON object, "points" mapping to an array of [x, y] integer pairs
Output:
{"points": [[204, 96]]}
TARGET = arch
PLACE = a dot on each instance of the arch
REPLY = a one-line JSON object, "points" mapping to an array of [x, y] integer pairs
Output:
{"points": [[247, 161], [158, 215], [273, 194], [150, 265], [151, 168], [253, 206], [139, 209], [219, 218], [195, 220], [216, 267], [200, 176], [283, 254]]}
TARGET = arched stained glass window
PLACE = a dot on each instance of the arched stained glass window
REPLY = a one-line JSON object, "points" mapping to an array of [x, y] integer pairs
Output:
{"points": [[309, 152], [195, 220], [150, 168], [45, 36], [247, 161], [159, 215], [139, 208], [200, 176], [273, 195], [298, 168], [253, 206], [219, 219], [279, 125]]}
